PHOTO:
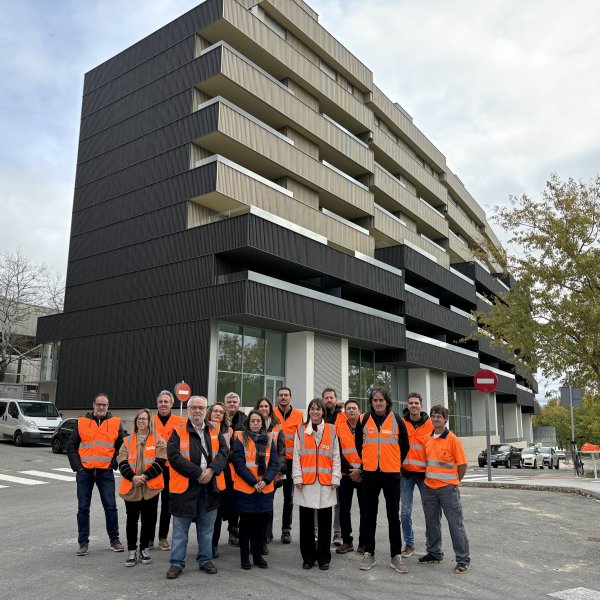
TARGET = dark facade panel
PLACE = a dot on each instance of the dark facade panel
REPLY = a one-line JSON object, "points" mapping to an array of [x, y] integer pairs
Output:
{"points": [[149, 146], [174, 190], [133, 366], [481, 276], [506, 385], [133, 178], [499, 352], [168, 279], [147, 108], [167, 36], [406, 258], [436, 315], [426, 355], [524, 398]]}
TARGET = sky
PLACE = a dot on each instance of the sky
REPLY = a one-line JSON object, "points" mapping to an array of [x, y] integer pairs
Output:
{"points": [[507, 90]]}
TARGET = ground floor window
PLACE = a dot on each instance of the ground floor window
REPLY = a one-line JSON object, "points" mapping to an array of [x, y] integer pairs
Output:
{"points": [[459, 409], [250, 362]]}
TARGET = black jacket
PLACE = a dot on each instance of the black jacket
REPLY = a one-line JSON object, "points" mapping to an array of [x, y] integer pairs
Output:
{"points": [[186, 504], [75, 441]]}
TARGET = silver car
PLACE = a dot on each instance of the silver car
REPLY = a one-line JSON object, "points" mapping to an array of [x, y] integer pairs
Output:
{"points": [[531, 457]]}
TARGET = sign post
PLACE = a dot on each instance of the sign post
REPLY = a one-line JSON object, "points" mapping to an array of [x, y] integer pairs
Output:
{"points": [[182, 392], [486, 381]]}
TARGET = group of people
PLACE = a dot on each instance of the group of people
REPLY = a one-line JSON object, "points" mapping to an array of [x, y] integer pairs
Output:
{"points": [[220, 464]]}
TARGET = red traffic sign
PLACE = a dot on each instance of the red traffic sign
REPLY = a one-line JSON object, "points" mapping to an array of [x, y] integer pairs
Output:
{"points": [[486, 381], [183, 392]]}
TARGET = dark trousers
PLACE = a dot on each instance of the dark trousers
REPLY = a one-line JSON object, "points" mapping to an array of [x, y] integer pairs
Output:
{"points": [[345, 493], [315, 551], [252, 535], [146, 510], [104, 479], [288, 498], [165, 514], [373, 484]]}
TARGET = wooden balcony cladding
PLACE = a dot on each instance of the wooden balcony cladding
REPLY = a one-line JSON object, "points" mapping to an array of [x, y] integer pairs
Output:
{"points": [[459, 251], [247, 143], [460, 223], [248, 34], [252, 89], [398, 198], [302, 24], [398, 159], [406, 129], [235, 190], [455, 185], [390, 232]]}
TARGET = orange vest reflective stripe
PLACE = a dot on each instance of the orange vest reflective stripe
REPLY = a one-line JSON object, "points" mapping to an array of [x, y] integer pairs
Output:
{"points": [[178, 483], [156, 483], [317, 460], [97, 447], [380, 446], [415, 459], [165, 431], [442, 468], [289, 427], [347, 443], [250, 451]]}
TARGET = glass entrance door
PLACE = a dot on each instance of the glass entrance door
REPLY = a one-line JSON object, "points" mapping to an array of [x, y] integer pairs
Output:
{"points": [[272, 384]]}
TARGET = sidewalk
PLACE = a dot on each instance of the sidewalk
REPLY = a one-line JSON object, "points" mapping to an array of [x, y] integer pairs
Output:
{"points": [[564, 481]]}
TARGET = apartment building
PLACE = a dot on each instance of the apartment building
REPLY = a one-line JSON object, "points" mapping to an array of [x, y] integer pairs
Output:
{"points": [[251, 211]]}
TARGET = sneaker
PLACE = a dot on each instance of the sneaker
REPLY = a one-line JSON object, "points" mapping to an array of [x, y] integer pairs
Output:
{"points": [[409, 550], [344, 548], [396, 563], [150, 545], [174, 572], [429, 559], [361, 549], [145, 557], [83, 550], [163, 544], [286, 537], [462, 568], [337, 540], [131, 558], [367, 562], [117, 546], [233, 539]]}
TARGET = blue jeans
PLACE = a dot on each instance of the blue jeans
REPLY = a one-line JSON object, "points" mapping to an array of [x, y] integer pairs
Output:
{"points": [[104, 479], [446, 499], [407, 487], [205, 523]]}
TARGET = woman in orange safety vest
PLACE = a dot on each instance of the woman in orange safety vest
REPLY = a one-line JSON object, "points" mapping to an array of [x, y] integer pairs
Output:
{"points": [[255, 463], [316, 471], [141, 461]]}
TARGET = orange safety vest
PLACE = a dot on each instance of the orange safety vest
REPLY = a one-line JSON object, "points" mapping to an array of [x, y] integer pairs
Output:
{"points": [[289, 427], [156, 483], [317, 460], [179, 483], [380, 446], [442, 465], [165, 431], [415, 459], [347, 443], [250, 451], [97, 447]]}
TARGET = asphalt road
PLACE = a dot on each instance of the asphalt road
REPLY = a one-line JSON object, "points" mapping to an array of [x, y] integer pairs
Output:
{"points": [[524, 544]]}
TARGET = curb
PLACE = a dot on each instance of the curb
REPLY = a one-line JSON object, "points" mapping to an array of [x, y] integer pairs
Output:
{"points": [[593, 495]]}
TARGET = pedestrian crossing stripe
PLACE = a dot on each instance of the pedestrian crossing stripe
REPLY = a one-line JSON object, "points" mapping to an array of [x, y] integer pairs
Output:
{"points": [[48, 475], [13, 479]]}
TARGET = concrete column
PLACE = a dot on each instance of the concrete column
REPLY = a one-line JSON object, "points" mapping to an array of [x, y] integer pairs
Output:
{"points": [[418, 381], [299, 367], [344, 393], [511, 431], [527, 428], [478, 413]]}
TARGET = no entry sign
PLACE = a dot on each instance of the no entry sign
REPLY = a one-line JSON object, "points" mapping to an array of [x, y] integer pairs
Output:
{"points": [[486, 381], [183, 392]]}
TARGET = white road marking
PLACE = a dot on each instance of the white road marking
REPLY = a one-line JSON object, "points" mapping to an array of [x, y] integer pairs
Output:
{"points": [[64, 469], [577, 594], [22, 480], [48, 475]]}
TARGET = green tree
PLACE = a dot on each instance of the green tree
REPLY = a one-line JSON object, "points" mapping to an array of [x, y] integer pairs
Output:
{"points": [[552, 313], [557, 416]]}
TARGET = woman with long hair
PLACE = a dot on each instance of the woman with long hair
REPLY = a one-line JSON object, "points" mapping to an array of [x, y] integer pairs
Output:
{"points": [[316, 471], [141, 461], [255, 462]]}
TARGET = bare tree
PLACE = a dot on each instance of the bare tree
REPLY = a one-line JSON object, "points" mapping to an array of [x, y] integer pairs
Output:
{"points": [[26, 289]]}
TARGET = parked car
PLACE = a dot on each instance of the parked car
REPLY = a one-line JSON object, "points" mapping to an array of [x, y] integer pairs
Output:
{"points": [[28, 421], [531, 457], [502, 454], [549, 456], [562, 455], [62, 435]]}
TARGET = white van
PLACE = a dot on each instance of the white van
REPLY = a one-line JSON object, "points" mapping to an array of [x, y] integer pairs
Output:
{"points": [[28, 421]]}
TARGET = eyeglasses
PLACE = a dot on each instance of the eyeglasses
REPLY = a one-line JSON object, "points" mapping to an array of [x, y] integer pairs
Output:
{"points": [[142, 419]]}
